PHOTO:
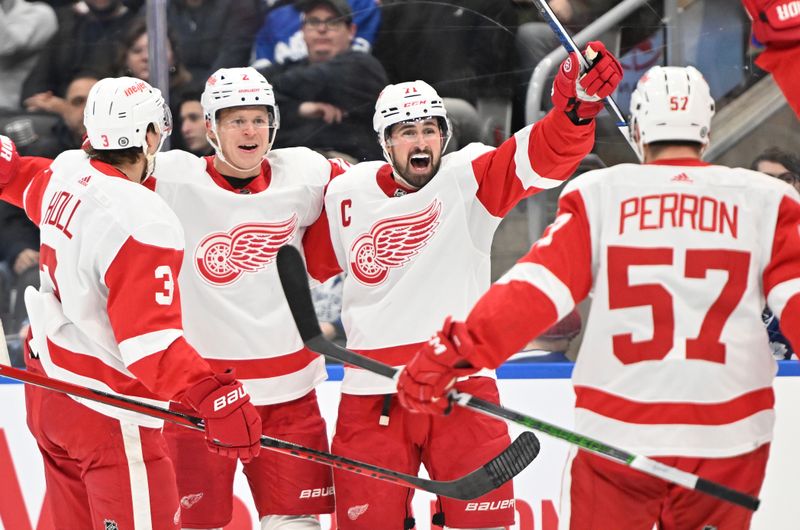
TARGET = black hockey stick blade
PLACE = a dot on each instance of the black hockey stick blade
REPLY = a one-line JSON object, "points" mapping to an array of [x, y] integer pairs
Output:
{"points": [[298, 294], [496, 472], [294, 280]]}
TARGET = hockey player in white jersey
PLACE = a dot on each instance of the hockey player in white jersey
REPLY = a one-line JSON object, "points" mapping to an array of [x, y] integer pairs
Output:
{"points": [[237, 207], [108, 316], [414, 237], [679, 257]]}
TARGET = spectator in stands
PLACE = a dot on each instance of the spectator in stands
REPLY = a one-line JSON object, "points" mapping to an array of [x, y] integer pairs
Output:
{"points": [[779, 164], [133, 61], [786, 167], [19, 261], [192, 125], [465, 49], [68, 130], [87, 37], [280, 37], [327, 99], [25, 28], [212, 34]]}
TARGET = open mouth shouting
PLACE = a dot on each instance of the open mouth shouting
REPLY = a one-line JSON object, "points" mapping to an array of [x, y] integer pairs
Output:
{"points": [[420, 162]]}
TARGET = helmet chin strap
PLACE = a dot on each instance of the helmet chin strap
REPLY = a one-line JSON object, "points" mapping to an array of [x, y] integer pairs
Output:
{"points": [[403, 181], [218, 151], [150, 159], [397, 176]]}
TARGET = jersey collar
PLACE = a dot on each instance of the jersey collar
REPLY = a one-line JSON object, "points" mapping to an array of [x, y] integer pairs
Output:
{"points": [[257, 185], [389, 185], [107, 169], [678, 162]]}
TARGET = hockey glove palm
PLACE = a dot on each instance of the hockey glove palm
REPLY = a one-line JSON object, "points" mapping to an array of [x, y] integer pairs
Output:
{"points": [[580, 93], [233, 426], [424, 383], [9, 161]]}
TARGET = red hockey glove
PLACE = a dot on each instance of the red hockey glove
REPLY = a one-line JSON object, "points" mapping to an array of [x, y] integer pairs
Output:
{"points": [[233, 426], [579, 93], [424, 383], [9, 161]]}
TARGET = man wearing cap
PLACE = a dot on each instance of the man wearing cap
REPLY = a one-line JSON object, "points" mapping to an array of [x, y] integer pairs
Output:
{"points": [[326, 99]]}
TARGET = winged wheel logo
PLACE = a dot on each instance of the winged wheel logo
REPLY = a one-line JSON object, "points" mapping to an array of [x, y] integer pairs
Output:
{"points": [[391, 243], [222, 257]]}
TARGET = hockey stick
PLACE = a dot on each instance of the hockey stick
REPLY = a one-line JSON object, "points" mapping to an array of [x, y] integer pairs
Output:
{"points": [[495, 473], [293, 278], [4, 357], [566, 41]]}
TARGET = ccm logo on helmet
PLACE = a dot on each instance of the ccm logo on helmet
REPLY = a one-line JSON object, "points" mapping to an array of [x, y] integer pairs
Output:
{"points": [[316, 492], [229, 399], [415, 103], [489, 506], [138, 87]]}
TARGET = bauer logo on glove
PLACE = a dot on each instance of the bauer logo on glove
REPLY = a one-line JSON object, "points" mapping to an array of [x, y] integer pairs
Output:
{"points": [[229, 399]]}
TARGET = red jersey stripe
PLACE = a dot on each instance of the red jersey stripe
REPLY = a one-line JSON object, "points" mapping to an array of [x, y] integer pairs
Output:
{"points": [[393, 355], [663, 413], [93, 368], [265, 367]]}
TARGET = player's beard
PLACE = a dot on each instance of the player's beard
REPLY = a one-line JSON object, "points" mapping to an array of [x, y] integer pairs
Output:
{"points": [[418, 180]]}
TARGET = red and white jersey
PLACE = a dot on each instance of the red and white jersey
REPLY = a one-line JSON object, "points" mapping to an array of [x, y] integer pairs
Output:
{"points": [[679, 258], [108, 313], [234, 308], [412, 258]]}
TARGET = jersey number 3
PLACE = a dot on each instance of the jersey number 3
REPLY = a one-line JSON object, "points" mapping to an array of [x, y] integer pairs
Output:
{"points": [[621, 294], [164, 296]]}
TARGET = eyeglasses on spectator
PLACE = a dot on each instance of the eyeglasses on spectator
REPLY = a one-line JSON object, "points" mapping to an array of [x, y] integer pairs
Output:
{"points": [[329, 23]]}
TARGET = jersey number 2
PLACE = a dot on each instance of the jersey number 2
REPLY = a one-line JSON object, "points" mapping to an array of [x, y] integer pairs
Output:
{"points": [[621, 294]]}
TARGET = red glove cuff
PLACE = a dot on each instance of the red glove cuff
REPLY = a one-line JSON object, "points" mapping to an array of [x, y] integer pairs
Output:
{"points": [[453, 345]]}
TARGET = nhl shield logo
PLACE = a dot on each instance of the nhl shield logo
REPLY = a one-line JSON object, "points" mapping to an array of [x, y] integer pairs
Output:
{"points": [[110, 525]]}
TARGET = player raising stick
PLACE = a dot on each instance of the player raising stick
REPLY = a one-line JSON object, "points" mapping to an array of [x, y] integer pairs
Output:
{"points": [[679, 257], [414, 236]]}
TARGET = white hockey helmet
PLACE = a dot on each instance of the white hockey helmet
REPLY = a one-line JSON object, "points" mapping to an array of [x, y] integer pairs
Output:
{"points": [[671, 103], [238, 87], [119, 110], [413, 100]]}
